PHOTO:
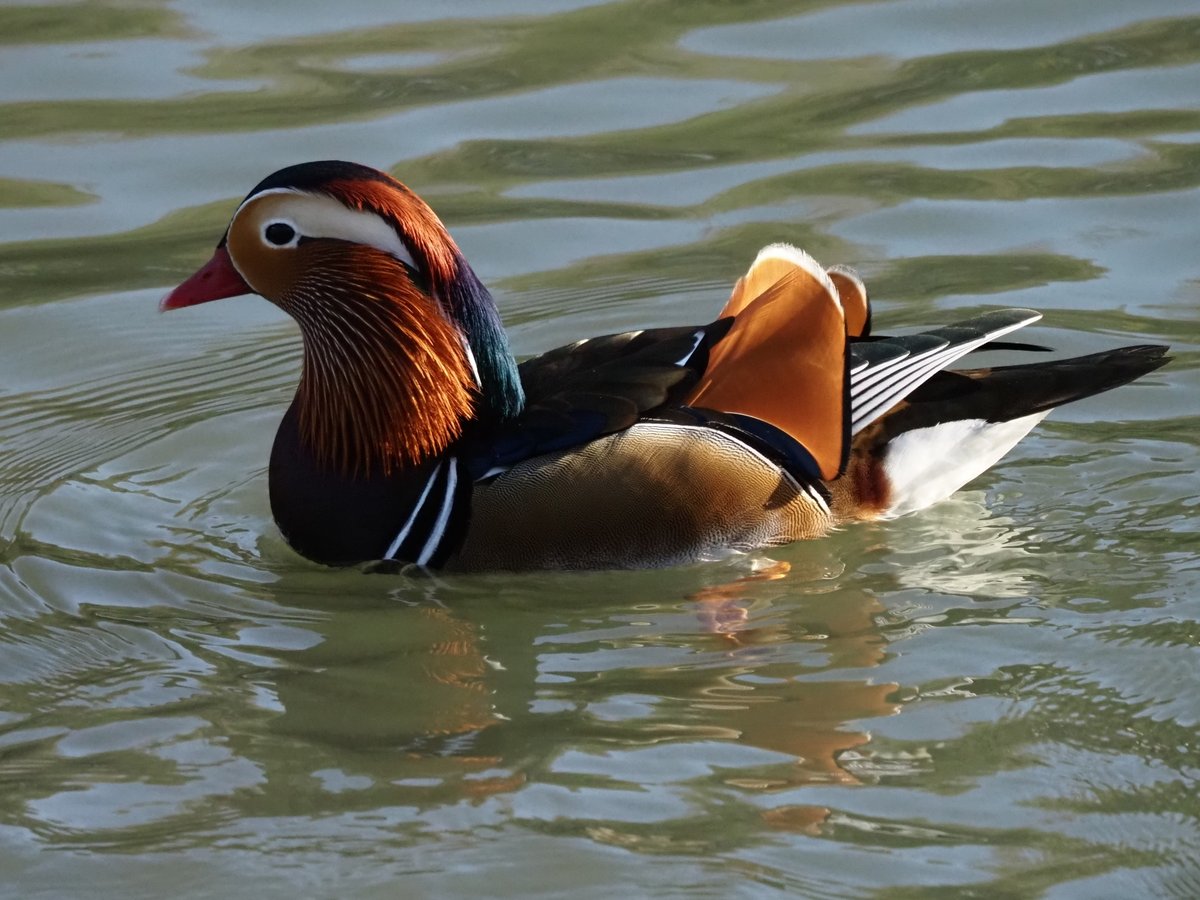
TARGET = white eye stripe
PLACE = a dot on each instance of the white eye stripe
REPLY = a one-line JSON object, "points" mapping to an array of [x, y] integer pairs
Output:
{"points": [[320, 216]]}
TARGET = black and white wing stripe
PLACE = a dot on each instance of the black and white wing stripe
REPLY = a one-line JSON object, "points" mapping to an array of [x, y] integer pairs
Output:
{"points": [[885, 371]]}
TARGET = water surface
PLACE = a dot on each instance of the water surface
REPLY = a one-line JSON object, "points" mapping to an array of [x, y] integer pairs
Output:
{"points": [[995, 696]]}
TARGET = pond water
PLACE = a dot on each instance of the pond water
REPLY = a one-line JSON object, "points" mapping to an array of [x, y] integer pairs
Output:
{"points": [[996, 697]]}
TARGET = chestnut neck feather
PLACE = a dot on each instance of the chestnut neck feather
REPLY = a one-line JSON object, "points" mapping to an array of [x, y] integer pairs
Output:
{"points": [[463, 296], [386, 383]]}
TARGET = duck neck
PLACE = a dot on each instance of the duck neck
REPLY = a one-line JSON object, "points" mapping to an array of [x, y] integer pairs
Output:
{"points": [[386, 383]]}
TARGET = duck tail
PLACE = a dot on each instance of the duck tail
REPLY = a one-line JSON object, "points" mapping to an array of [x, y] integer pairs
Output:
{"points": [[959, 423]]}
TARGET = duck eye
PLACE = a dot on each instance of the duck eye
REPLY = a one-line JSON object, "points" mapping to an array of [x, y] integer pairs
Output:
{"points": [[279, 233]]}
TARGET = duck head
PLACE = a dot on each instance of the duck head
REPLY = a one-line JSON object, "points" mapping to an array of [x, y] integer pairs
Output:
{"points": [[403, 344]]}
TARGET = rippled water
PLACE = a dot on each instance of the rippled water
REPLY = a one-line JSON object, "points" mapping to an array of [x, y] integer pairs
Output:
{"points": [[998, 695]]}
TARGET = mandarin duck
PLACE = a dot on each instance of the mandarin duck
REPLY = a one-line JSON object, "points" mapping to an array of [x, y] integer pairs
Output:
{"points": [[415, 436]]}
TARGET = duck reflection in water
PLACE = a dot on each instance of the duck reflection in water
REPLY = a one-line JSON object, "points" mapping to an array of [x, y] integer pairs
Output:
{"points": [[444, 691]]}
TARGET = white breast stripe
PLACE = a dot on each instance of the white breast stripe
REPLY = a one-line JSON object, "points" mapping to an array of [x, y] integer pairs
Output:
{"points": [[395, 545], [439, 527]]}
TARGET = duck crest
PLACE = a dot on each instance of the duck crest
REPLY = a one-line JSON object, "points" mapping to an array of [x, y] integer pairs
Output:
{"points": [[472, 306]]}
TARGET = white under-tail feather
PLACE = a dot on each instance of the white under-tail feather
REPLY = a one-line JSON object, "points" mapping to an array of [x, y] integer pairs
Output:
{"points": [[926, 465]]}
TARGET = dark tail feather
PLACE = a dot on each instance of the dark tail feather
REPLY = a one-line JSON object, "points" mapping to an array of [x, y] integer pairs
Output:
{"points": [[1003, 393]]}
